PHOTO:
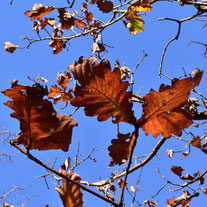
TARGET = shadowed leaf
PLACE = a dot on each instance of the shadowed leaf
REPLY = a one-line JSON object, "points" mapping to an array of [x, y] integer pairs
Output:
{"points": [[177, 170], [101, 91], [163, 111], [41, 128], [120, 149]]}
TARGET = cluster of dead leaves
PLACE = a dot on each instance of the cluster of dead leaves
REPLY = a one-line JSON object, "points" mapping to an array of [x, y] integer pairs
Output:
{"points": [[196, 176], [182, 201], [41, 127], [62, 93]]}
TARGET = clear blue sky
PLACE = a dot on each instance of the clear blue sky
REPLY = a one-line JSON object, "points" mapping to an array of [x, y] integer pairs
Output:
{"points": [[38, 59]]}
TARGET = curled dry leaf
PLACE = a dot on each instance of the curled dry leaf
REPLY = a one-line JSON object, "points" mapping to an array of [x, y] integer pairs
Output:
{"points": [[9, 47], [177, 170], [38, 11], [170, 153], [41, 128], [101, 91], [70, 193], [120, 149], [163, 111]]}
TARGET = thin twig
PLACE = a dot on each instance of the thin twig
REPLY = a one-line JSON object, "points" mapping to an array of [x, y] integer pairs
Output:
{"points": [[31, 157]]}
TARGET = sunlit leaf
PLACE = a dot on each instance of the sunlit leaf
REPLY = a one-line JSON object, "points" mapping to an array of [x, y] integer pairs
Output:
{"points": [[38, 11], [101, 91], [135, 23], [163, 111]]}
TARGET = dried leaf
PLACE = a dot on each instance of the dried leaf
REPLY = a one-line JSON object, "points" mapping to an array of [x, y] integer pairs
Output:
{"points": [[38, 11], [89, 16], [54, 91], [57, 43], [140, 5], [101, 91], [149, 203], [201, 179], [120, 149], [163, 110], [63, 80], [121, 183], [80, 23], [196, 142], [177, 170], [170, 153], [9, 47], [105, 6], [170, 202], [70, 193], [41, 128], [204, 190], [66, 19]]}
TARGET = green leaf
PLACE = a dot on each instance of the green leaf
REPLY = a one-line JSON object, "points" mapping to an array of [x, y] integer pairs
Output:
{"points": [[135, 23]]}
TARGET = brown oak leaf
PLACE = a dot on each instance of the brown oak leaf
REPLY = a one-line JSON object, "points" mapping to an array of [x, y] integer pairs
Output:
{"points": [[38, 11], [70, 193], [41, 128], [163, 111], [101, 92], [120, 149]]}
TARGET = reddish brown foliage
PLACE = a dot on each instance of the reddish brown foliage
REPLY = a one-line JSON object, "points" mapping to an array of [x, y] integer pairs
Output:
{"points": [[105, 6], [38, 11], [70, 193], [101, 91], [41, 128], [120, 149], [163, 110], [177, 170]]}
